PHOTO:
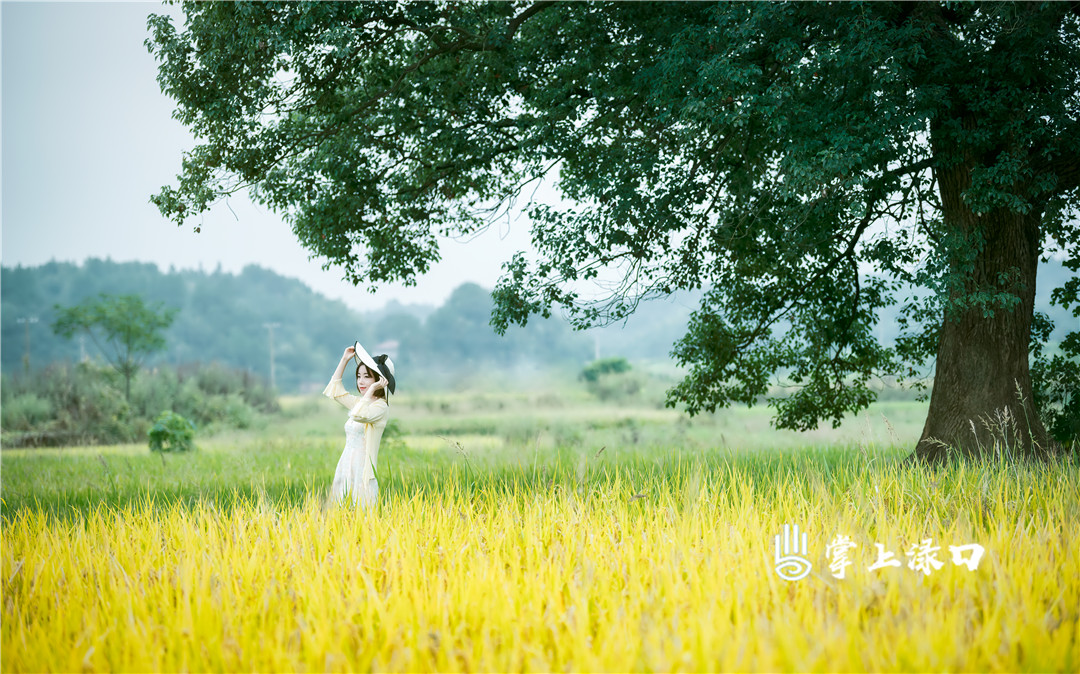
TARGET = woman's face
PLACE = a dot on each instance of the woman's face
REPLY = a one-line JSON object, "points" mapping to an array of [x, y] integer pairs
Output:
{"points": [[364, 379]]}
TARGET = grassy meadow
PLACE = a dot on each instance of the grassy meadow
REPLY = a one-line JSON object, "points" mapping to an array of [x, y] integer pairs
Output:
{"points": [[535, 531]]}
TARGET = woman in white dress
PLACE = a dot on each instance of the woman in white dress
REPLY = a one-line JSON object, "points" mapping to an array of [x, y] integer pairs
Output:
{"points": [[368, 414]]}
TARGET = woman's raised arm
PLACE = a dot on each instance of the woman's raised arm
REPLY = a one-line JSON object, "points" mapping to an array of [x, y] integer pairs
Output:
{"points": [[335, 390], [349, 353]]}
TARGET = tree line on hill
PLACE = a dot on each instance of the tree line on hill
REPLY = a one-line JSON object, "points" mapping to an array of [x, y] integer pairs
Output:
{"points": [[223, 317], [228, 318]]}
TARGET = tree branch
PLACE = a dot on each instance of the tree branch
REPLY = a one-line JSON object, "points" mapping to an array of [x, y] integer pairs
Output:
{"points": [[533, 10]]}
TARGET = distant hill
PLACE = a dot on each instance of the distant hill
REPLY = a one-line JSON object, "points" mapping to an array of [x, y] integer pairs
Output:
{"points": [[223, 318]]}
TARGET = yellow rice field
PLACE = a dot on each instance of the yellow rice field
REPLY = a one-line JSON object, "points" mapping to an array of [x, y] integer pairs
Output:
{"points": [[668, 570]]}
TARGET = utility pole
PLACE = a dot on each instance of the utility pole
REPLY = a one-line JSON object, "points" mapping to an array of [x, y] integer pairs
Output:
{"points": [[270, 327], [27, 321]]}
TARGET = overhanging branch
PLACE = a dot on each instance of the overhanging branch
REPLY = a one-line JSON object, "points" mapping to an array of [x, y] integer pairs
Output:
{"points": [[531, 11]]}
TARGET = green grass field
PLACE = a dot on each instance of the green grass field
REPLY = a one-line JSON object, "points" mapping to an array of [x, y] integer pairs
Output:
{"points": [[293, 456], [529, 531]]}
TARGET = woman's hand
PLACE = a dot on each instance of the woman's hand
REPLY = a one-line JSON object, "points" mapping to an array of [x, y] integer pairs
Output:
{"points": [[340, 370], [381, 384]]}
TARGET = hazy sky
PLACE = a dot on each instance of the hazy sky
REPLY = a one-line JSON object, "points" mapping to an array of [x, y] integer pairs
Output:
{"points": [[88, 137]]}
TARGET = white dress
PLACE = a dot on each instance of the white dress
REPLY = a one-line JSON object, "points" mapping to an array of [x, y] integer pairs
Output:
{"points": [[355, 473]]}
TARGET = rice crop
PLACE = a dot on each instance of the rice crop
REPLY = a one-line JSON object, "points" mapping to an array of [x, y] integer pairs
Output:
{"points": [[561, 560]]}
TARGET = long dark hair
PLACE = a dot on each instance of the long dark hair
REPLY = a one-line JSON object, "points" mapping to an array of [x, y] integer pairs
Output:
{"points": [[381, 393]]}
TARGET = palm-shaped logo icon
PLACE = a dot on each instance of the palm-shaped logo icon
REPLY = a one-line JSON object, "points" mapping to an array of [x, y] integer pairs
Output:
{"points": [[789, 564]]}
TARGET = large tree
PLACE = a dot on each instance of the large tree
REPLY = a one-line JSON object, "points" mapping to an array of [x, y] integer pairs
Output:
{"points": [[806, 164]]}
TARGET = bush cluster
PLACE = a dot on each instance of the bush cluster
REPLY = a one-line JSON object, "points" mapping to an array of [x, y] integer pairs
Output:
{"points": [[172, 433], [611, 379], [84, 403]]}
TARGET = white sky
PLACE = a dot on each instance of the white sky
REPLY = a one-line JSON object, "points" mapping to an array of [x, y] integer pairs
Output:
{"points": [[88, 137]]}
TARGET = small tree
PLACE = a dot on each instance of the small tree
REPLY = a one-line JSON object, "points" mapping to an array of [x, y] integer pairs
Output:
{"points": [[123, 327]]}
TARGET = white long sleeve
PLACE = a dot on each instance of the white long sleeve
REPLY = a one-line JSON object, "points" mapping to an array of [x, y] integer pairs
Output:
{"points": [[372, 411], [335, 391]]}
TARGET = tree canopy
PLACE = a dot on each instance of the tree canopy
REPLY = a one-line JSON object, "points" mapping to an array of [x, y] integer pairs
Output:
{"points": [[805, 164]]}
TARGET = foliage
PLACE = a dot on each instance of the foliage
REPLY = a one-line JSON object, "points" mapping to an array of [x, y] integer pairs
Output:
{"points": [[802, 163], [66, 405], [171, 433], [125, 329], [617, 387], [1057, 393], [596, 369], [84, 402], [22, 413], [610, 379]]}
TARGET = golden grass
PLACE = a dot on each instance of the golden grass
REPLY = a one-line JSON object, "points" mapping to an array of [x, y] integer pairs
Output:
{"points": [[660, 571]]}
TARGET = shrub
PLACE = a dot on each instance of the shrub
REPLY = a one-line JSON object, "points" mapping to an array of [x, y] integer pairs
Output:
{"points": [[598, 368], [227, 410], [1056, 389], [155, 390], [171, 433], [216, 380], [23, 412], [611, 379], [88, 406], [84, 403]]}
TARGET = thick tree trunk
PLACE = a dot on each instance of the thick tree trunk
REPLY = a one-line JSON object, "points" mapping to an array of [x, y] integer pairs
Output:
{"points": [[981, 402]]}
